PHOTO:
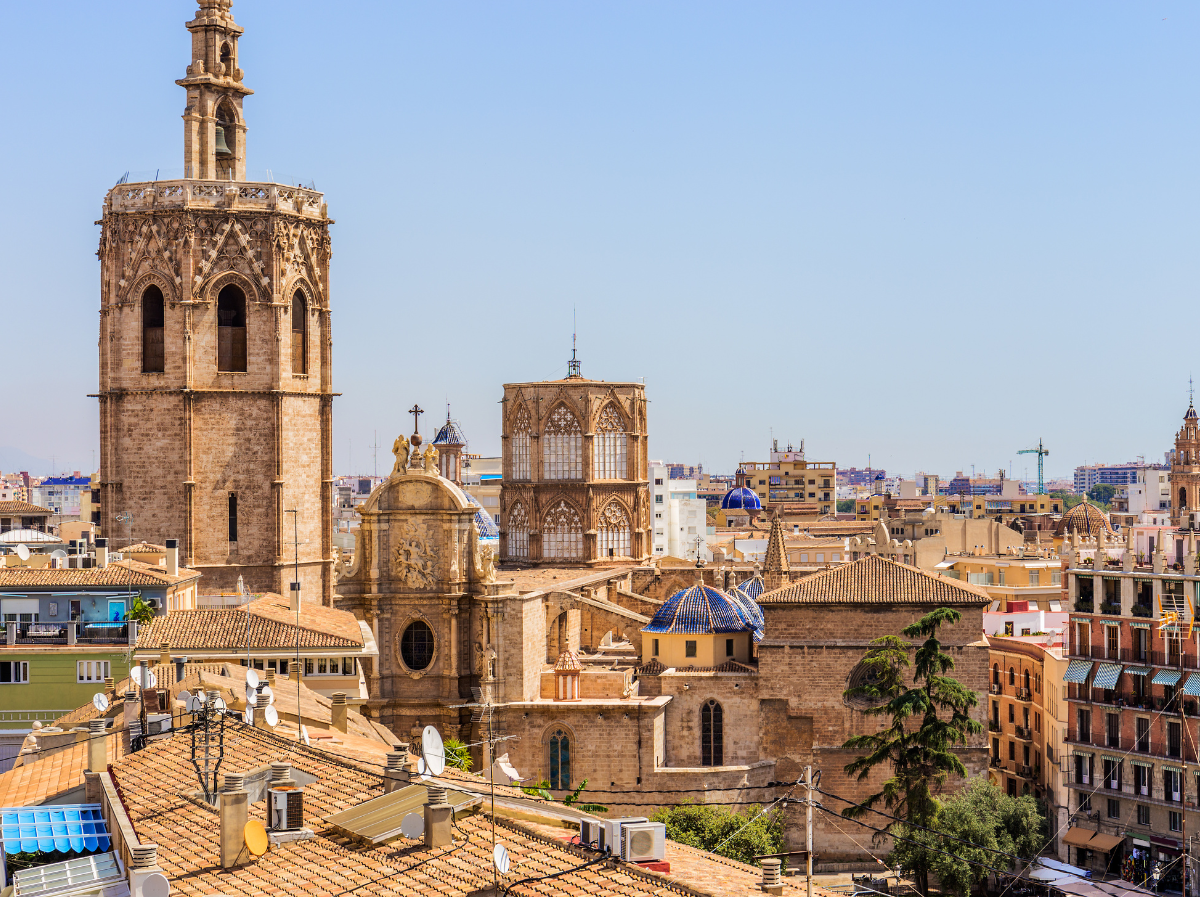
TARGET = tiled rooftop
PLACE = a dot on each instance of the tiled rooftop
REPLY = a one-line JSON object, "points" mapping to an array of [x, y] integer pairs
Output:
{"points": [[876, 580], [42, 776], [224, 628], [23, 507], [117, 573]]}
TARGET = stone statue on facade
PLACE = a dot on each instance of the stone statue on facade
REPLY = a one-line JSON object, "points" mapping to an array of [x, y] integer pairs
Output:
{"points": [[431, 459], [400, 449], [484, 559]]}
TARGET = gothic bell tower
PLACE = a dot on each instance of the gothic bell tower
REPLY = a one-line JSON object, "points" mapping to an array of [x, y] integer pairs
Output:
{"points": [[215, 380]]}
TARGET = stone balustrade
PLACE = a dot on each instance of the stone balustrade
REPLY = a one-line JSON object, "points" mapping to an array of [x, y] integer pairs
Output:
{"points": [[198, 194]]}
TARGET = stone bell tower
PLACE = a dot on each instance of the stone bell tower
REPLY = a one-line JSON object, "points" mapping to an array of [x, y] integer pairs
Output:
{"points": [[215, 382]]}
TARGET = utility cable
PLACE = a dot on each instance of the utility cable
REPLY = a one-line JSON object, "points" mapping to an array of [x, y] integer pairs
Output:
{"points": [[600, 859]]}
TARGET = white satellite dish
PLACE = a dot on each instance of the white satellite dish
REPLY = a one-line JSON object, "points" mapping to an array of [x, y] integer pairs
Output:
{"points": [[251, 695], [412, 826], [195, 705], [304, 735], [252, 678], [433, 751], [270, 695], [500, 858], [185, 698], [58, 553], [23, 552], [156, 885], [421, 773], [100, 701], [219, 705], [136, 676], [271, 715]]}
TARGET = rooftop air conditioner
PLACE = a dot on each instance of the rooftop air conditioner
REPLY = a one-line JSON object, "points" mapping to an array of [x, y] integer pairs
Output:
{"points": [[643, 842], [610, 833], [591, 832], [287, 808], [158, 723]]}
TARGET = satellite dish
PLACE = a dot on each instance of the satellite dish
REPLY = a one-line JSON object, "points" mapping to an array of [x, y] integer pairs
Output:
{"points": [[271, 715], [195, 705], [270, 695], [23, 552], [500, 858], [251, 694], [256, 837], [433, 751], [252, 678], [412, 826], [304, 735], [220, 705], [421, 768], [136, 676], [100, 701], [185, 698], [57, 553], [156, 885]]}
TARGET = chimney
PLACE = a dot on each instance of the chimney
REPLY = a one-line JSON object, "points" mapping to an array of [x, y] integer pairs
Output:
{"points": [[172, 557], [337, 711], [294, 602], [101, 553], [233, 819], [260, 712], [180, 663], [771, 882], [97, 752], [396, 775], [164, 654], [438, 816]]}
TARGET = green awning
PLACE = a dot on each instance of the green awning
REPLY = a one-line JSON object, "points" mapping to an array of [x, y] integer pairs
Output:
{"points": [[1110, 758], [1111, 622], [1142, 763], [1107, 675], [1166, 677], [1138, 671], [1078, 671], [1138, 624], [1171, 768]]}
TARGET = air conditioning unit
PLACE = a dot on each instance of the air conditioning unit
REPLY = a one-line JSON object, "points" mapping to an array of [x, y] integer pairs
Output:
{"points": [[591, 831], [610, 834], [643, 842], [287, 809], [158, 723], [155, 603]]}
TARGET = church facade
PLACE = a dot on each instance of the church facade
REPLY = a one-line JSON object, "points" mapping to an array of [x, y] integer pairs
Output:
{"points": [[215, 383], [575, 462]]}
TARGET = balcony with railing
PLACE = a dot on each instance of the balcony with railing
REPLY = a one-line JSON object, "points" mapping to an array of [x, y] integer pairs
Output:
{"points": [[1023, 733], [70, 633]]}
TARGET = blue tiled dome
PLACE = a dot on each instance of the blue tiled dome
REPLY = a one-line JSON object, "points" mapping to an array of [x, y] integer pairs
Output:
{"points": [[450, 434], [751, 611], [700, 610], [483, 520], [741, 497], [753, 587]]}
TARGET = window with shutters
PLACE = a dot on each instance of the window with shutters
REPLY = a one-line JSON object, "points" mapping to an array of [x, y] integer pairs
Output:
{"points": [[609, 446], [521, 438], [562, 447]]}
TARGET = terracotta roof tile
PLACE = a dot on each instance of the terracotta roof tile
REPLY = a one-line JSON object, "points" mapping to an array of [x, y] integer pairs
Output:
{"points": [[217, 629], [118, 573], [143, 548], [876, 580], [23, 507], [43, 776]]}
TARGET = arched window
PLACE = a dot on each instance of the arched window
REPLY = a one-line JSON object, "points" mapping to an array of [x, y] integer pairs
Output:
{"points": [[995, 674], [520, 446], [560, 761], [712, 735], [562, 447], [153, 346], [1182, 497], [1026, 678], [416, 645], [225, 140], [1012, 677], [299, 334], [562, 533], [227, 59], [612, 533], [608, 446], [518, 532], [231, 329]]}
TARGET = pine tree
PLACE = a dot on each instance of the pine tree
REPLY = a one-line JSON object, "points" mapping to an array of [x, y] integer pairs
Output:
{"points": [[928, 718]]}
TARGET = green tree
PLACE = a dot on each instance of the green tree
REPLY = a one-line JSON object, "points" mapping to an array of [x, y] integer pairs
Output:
{"points": [[926, 720], [845, 506], [140, 611], [542, 789], [982, 815], [458, 755], [1068, 499], [1102, 493], [720, 830]]}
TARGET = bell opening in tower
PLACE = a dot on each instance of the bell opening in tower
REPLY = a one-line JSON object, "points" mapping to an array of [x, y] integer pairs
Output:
{"points": [[153, 349], [299, 334], [231, 330], [225, 140]]}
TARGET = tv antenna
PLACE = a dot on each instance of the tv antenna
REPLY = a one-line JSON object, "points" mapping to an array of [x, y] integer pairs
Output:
{"points": [[208, 746]]}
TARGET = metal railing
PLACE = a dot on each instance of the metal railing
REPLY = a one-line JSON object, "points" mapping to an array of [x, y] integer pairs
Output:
{"points": [[41, 634]]}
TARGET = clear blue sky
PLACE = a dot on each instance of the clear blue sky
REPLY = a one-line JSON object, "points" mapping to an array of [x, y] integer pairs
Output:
{"points": [[928, 231]]}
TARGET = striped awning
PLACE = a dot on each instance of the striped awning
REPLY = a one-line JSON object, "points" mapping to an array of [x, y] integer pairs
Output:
{"points": [[1142, 763], [1078, 671], [1107, 675], [1192, 686], [1172, 768], [1138, 624], [1138, 671], [1166, 677], [1110, 758]]}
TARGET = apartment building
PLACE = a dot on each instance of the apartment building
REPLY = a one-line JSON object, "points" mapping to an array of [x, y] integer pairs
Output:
{"points": [[680, 516], [789, 478]]}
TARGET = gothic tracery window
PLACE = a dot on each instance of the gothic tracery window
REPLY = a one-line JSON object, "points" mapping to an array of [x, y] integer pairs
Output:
{"points": [[560, 761], [562, 533], [609, 446], [712, 734], [562, 447], [612, 532], [520, 446], [518, 532]]}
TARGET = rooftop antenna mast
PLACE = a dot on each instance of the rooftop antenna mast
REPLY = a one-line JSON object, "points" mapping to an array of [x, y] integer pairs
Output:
{"points": [[573, 364]]}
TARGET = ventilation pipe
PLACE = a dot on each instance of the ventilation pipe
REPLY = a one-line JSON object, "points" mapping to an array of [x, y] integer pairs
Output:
{"points": [[172, 557], [164, 654], [260, 712], [771, 881], [337, 711], [396, 775], [234, 809], [180, 663], [438, 816]]}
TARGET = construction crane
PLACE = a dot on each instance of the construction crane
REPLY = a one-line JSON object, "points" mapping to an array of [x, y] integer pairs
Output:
{"points": [[1041, 451]]}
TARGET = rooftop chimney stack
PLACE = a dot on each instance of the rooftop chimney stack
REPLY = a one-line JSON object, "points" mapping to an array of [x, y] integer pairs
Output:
{"points": [[172, 557], [234, 809], [101, 553], [337, 711], [164, 654], [438, 816], [396, 775], [260, 712], [294, 602], [771, 882], [97, 753]]}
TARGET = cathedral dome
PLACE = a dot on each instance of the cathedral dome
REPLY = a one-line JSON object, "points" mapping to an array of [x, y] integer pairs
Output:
{"points": [[752, 587], [700, 610], [750, 610], [450, 434], [1085, 519], [1191, 413], [741, 498], [483, 520]]}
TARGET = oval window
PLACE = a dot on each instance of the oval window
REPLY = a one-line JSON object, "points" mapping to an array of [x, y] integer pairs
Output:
{"points": [[416, 645]]}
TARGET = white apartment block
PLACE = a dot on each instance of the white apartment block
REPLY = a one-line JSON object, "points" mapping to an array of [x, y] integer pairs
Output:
{"points": [[679, 519]]}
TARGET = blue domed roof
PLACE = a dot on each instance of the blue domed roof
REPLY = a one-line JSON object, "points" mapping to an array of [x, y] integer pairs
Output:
{"points": [[741, 497], [700, 610], [753, 587], [483, 520], [450, 434], [751, 610]]}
